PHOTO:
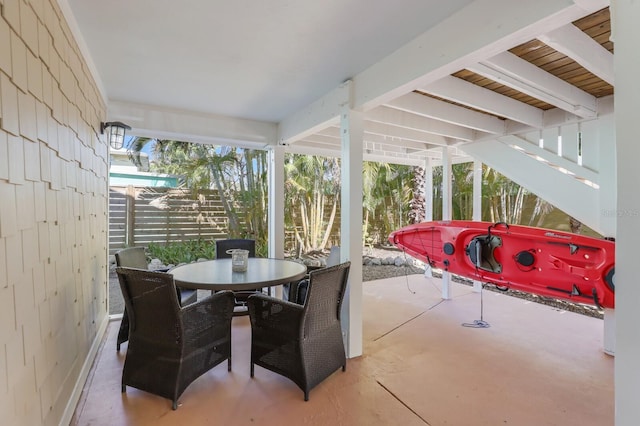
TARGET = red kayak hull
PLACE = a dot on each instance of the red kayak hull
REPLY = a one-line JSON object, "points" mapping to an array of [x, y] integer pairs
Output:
{"points": [[548, 263]]}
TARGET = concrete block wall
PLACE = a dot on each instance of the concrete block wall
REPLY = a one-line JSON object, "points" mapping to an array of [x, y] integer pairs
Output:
{"points": [[53, 213]]}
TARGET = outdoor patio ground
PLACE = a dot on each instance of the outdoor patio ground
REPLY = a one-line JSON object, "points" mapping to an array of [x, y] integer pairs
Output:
{"points": [[534, 365]]}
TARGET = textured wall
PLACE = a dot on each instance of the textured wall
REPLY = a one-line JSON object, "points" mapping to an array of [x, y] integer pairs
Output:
{"points": [[53, 215]]}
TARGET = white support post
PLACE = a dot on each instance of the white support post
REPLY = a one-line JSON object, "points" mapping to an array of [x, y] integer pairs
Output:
{"points": [[607, 180], [428, 191], [276, 205], [428, 203], [477, 206], [352, 137], [624, 20], [446, 211]]}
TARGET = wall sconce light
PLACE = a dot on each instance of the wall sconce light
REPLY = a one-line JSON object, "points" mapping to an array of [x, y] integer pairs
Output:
{"points": [[115, 132]]}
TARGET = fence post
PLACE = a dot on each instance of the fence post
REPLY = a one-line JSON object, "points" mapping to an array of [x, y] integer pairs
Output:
{"points": [[130, 215]]}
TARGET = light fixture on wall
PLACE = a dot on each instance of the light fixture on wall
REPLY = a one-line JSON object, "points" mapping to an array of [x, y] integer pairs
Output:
{"points": [[115, 132]]}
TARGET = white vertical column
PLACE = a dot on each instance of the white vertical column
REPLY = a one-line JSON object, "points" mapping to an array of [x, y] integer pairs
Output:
{"points": [[625, 17], [428, 190], [607, 194], [351, 239], [276, 205], [477, 205], [446, 211], [428, 203]]}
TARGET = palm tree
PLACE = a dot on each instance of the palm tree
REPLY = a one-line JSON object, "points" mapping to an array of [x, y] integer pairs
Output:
{"points": [[312, 190], [238, 175], [417, 212]]}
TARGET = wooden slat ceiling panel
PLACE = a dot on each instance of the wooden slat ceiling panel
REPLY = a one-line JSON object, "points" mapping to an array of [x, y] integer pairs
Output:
{"points": [[596, 25], [489, 84]]}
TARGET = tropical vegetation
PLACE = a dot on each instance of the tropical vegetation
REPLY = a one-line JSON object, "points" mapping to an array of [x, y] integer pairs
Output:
{"points": [[392, 194]]}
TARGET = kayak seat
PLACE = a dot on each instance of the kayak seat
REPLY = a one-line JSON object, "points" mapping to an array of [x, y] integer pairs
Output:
{"points": [[481, 253]]}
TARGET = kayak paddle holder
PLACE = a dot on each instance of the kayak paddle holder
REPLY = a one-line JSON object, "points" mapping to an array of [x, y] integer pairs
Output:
{"points": [[481, 323]]}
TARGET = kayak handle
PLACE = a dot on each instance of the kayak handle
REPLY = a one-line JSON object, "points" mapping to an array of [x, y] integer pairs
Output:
{"points": [[495, 225]]}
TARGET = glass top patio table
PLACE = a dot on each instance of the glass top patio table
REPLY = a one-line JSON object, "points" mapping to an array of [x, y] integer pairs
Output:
{"points": [[218, 275]]}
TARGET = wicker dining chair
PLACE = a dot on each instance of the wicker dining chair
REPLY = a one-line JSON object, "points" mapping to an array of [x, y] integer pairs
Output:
{"points": [[297, 292], [135, 257], [221, 253], [170, 345], [301, 342]]}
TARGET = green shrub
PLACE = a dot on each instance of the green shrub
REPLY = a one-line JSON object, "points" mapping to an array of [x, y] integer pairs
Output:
{"points": [[183, 252]]}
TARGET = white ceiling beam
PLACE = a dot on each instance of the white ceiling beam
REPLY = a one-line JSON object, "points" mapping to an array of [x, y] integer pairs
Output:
{"points": [[577, 45], [392, 159], [393, 132], [465, 93], [592, 5], [188, 126], [399, 118], [306, 147], [387, 141], [423, 61], [322, 139], [510, 70], [318, 115], [333, 134], [404, 133], [436, 109]]}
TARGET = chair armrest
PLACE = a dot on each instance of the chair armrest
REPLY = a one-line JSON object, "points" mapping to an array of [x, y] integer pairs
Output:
{"points": [[269, 314]]}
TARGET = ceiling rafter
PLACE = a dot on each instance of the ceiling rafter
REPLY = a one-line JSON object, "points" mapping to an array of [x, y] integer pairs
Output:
{"points": [[393, 133], [510, 70], [468, 94], [412, 121], [426, 106], [377, 139], [583, 49]]}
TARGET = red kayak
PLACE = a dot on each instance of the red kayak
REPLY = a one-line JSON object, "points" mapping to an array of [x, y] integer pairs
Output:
{"points": [[549, 263]]}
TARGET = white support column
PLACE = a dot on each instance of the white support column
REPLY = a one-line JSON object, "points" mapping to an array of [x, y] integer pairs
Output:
{"points": [[428, 203], [624, 20], [607, 180], [446, 211], [276, 205], [351, 239], [428, 191], [477, 205]]}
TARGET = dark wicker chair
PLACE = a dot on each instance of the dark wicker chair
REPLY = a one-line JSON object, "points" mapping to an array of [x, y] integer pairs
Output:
{"points": [[135, 257], [301, 342], [171, 346], [221, 253], [297, 292]]}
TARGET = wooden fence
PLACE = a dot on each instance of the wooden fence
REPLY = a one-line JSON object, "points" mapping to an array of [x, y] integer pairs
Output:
{"points": [[139, 216], [142, 215]]}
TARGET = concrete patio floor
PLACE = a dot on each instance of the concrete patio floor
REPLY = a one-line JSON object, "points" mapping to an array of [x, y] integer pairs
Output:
{"points": [[535, 365]]}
